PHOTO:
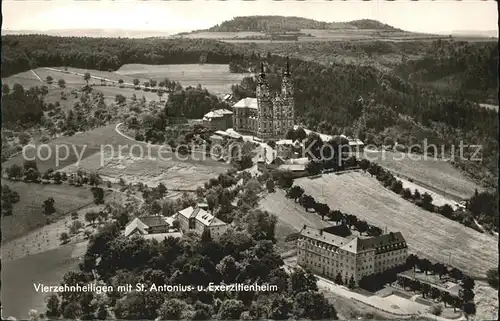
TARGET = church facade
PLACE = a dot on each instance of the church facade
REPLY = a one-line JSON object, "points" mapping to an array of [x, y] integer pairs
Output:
{"points": [[268, 116]]}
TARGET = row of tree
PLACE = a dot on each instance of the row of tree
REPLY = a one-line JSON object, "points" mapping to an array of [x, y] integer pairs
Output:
{"points": [[297, 193]]}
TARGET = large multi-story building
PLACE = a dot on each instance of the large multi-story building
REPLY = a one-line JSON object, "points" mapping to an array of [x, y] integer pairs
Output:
{"points": [[268, 116], [328, 254]]}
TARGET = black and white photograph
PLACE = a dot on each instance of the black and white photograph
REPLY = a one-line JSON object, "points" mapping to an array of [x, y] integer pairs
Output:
{"points": [[249, 160]]}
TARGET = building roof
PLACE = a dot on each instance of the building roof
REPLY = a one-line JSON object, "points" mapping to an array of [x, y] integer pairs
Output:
{"points": [[284, 142], [142, 224], [292, 167], [302, 161], [201, 216], [356, 244], [246, 103], [219, 113]]}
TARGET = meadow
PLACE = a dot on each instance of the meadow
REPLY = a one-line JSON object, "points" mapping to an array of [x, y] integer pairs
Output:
{"points": [[434, 174], [28, 214], [18, 294], [216, 78]]}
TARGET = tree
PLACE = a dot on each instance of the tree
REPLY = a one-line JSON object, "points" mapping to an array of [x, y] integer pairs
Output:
{"points": [[338, 279], [412, 261], [86, 77], [468, 283], [136, 82], [313, 306], [300, 134], [469, 308], [64, 238], [314, 167], [120, 81], [14, 171], [492, 277], [425, 265], [75, 227], [295, 192], [322, 209], [229, 269], [350, 220], [336, 216], [98, 194], [49, 79], [301, 281], [52, 306], [307, 201], [231, 309], [261, 224], [61, 83], [407, 193], [351, 283], [91, 217], [270, 185], [48, 206], [95, 179], [361, 226], [172, 309], [467, 295]]}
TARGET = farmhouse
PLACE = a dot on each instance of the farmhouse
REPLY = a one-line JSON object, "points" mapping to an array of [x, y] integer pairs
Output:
{"points": [[328, 254], [198, 220], [157, 227], [269, 116], [220, 119]]}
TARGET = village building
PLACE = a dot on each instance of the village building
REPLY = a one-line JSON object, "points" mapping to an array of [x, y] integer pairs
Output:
{"points": [[220, 119], [328, 254], [268, 116], [152, 227], [198, 220]]}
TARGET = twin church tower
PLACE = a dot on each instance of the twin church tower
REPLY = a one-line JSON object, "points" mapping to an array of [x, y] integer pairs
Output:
{"points": [[270, 115]]}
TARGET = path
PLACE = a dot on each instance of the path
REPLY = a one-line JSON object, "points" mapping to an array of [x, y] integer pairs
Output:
{"points": [[94, 77]]}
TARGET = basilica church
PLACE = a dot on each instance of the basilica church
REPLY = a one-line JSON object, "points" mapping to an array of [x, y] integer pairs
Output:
{"points": [[270, 115]]}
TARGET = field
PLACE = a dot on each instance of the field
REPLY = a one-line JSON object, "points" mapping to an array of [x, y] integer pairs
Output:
{"points": [[28, 214], [437, 175], [314, 35], [216, 78], [18, 294]]}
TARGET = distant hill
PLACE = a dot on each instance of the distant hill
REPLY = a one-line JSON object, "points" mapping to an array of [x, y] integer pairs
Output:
{"points": [[95, 33], [282, 23]]}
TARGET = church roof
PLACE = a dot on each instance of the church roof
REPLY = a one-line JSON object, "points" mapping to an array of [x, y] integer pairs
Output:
{"points": [[247, 103]]}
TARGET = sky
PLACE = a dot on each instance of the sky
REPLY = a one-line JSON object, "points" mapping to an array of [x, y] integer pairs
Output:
{"points": [[176, 16]]}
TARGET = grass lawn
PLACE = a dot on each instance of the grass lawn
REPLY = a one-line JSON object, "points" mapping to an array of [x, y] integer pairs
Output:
{"points": [[28, 214], [427, 234]]}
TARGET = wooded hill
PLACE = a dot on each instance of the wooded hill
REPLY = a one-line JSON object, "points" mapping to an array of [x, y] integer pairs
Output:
{"points": [[281, 23]]}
